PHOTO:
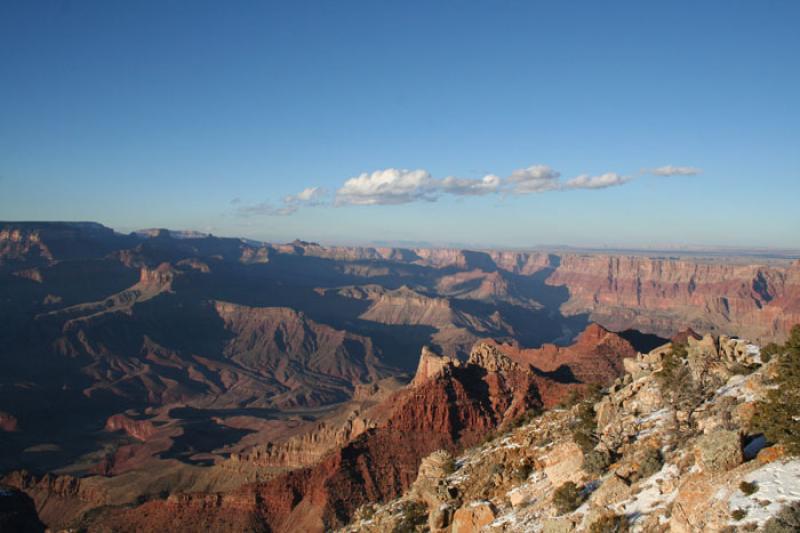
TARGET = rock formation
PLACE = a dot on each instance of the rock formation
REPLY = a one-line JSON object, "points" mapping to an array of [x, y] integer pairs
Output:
{"points": [[653, 466]]}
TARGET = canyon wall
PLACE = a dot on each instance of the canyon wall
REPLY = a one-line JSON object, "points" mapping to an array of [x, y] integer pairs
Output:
{"points": [[662, 296]]}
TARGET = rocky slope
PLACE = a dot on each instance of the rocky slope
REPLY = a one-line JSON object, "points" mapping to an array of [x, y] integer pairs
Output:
{"points": [[654, 462], [451, 408]]}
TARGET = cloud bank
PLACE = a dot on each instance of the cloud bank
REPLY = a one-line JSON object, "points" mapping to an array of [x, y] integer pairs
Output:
{"points": [[387, 187], [393, 186]]}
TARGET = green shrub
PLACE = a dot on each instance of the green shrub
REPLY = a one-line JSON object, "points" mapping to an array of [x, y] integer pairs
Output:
{"points": [[585, 441], [786, 521], [748, 487], [596, 462], [775, 416], [770, 350], [522, 472], [742, 369], [738, 514], [593, 393], [677, 384], [567, 498], [610, 523], [651, 462], [584, 427]]}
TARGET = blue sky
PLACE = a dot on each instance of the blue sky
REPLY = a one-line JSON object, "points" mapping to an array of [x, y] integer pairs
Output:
{"points": [[217, 115]]}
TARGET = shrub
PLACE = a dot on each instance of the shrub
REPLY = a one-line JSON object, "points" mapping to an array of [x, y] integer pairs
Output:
{"points": [[584, 440], [567, 498], [677, 384], [770, 350], [748, 487], [610, 523], [652, 461], [596, 462], [776, 415], [584, 426], [527, 417], [742, 369], [523, 471], [738, 514], [414, 517], [593, 393], [786, 521]]}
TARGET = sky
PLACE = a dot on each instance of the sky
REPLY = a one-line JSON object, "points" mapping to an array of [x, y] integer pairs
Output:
{"points": [[492, 123]]}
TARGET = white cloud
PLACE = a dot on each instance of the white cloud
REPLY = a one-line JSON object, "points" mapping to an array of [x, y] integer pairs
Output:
{"points": [[670, 170], [387, 187], [308, 196], [536, 178], [394, 186], [585, 181], [471, 187]]}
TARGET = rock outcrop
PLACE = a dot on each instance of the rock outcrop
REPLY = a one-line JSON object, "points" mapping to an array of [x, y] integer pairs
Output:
{"points": [[138, 429], [448, 410], [658, 473]]}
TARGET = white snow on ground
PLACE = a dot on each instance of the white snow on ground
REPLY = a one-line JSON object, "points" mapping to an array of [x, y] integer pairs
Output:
{"points": [[754, 350], [649, 497], [655, 421], [778, 484], [655, 416], [735, 388]]}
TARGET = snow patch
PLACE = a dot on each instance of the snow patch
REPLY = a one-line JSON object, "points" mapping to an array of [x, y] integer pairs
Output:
{"points": [[650, 497], [778, 483]]}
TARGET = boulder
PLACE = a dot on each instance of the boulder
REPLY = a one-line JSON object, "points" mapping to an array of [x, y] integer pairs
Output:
{"points": [[604, 412], [563, 463], [611, 491], [719, 450], [472, 517], [771, 454]]}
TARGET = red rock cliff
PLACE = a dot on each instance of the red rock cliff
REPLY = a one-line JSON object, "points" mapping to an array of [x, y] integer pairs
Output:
{"points": [[663, 296]]}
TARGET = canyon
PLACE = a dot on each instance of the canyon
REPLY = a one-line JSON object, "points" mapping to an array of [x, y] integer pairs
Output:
{"points": [[165, 377]]}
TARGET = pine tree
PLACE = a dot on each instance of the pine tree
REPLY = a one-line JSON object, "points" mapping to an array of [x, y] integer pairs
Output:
{"points": [[778, 417]]}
